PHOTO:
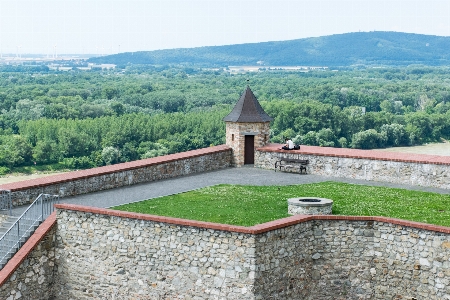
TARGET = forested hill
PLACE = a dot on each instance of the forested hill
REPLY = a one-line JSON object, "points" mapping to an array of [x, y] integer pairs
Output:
{"points": [[368, 48]]}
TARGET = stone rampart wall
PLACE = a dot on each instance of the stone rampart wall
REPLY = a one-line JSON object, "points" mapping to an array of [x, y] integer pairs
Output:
{"points": [[378, 260], [308, 257], [96, 253], [424, 170], [341, 260], [352, 259], [103, 256], [409, 263], [363, 164], [283, 263], [115, 176]]}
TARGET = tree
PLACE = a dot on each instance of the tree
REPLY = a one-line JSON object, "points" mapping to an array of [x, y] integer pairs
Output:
{"points": [[14, 151], [310, 139], [326, 137], [419, 125], [73, 143], [368, 139], [111, 92], [110, 155], [118, 108], [45, 152], [395, 134], [152, 150]]}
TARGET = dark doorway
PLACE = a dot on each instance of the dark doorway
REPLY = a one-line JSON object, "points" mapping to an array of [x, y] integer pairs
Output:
{"points": [[249, 150]]}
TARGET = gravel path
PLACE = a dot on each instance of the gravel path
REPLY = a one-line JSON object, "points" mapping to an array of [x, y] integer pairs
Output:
{"points": [[246, 176]]}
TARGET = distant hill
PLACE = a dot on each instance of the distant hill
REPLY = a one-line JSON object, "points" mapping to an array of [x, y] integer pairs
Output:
{"points": [[368, 48]]}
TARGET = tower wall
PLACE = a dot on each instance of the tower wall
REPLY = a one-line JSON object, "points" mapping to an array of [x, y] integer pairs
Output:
{"points": [[235, 138]]}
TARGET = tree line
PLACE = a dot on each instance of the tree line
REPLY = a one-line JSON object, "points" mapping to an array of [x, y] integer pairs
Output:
{"points": [[315, 123], [95, 142], [85, 119]]}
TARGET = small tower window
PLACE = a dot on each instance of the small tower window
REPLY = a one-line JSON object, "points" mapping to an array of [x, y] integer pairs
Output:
{"points": [[232, 137]]}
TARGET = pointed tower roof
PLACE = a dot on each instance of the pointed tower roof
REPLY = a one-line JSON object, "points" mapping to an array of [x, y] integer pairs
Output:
{"points": [[247, 109]]}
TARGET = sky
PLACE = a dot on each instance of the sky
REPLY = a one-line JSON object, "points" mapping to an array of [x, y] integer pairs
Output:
{"points": [[105, 27]]}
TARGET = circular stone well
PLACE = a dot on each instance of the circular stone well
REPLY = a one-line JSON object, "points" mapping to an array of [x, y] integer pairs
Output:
{"points": [[309, 206]]}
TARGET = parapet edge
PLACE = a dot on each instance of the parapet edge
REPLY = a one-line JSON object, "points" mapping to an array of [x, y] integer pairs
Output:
{"points": [[256, 229], [82, 174]]}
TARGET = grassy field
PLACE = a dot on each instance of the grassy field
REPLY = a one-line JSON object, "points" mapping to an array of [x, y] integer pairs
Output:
{"points": [[251, 205], [32, 172], [432, 149]]}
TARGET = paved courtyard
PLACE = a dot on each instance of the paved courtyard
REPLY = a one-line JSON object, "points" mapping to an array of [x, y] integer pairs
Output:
{"points": [[247, 175]]}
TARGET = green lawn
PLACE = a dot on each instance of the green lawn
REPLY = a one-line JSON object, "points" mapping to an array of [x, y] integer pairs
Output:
{"points": [[251, 205]]}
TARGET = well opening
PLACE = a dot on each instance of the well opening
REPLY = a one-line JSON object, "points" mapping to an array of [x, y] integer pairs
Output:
{"points": [[310, 200]]}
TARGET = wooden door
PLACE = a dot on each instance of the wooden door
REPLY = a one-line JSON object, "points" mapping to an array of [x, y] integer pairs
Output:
{"points": [[249, 150]]}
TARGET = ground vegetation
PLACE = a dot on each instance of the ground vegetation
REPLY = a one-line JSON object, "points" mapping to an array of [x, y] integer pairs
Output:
{"points": [[84, 119], [250, 205]]}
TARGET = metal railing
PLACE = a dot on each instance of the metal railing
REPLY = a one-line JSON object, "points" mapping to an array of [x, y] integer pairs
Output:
{"points": [[25, 225], [5, 200]]}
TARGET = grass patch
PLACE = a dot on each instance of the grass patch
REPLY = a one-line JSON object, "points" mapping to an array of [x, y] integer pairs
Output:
{"points": [[251, 205]]}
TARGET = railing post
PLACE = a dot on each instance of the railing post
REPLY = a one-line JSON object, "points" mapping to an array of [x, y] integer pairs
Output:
{"points": [[42, 208], [18, 230], [10, 204]]}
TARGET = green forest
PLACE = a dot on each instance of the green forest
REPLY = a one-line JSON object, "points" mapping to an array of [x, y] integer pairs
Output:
{"points": [[84, 119]]}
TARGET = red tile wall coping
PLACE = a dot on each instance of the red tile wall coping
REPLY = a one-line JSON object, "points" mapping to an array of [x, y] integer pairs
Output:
{"points": [[363, 154], [76, 175], [15, 262], [256, 229]]}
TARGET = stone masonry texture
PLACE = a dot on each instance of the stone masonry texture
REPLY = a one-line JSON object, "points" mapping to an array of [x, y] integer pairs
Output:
{"points": [[405, 171], [102, 256], [99, 255], [235, 138]]}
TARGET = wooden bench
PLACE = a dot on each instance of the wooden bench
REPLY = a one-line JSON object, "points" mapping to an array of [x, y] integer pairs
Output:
{"points": [[291, 163]]}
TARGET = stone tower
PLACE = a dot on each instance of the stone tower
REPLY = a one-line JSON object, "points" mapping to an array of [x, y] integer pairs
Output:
{"points": [[247, 128]]}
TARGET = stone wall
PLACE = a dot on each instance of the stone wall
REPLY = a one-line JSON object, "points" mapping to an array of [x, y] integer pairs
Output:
{"points": [[378, 260], [283, 263], [29, 274], [316, 260], [423, 170], [235, 138], [301, 257], [410, 263], [341, 260], [95, 253], [119, 175], [102, 256], [351, 259]]}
